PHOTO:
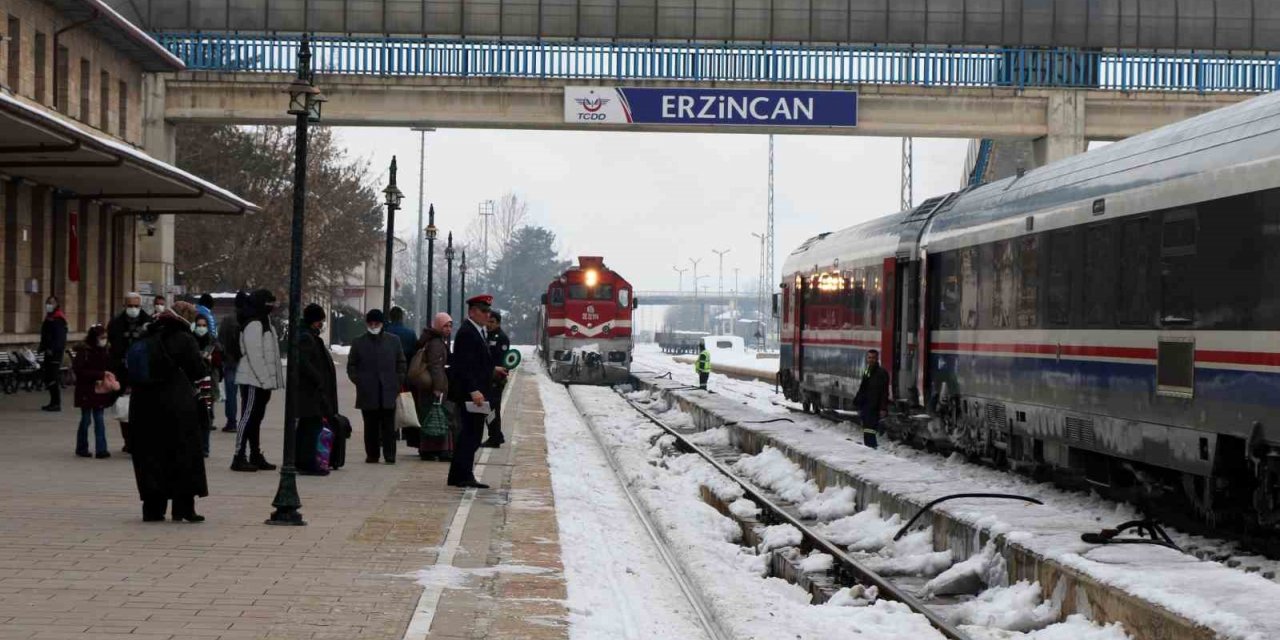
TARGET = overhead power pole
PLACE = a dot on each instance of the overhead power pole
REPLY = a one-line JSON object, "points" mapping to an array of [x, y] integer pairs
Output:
{"points": [[768, 284], [908, 198], [720, 290], [487, 210]]}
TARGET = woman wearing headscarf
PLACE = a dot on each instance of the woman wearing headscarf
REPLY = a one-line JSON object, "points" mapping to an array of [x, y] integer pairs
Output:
{"points": [[92, 366], [431, 384], [317, 395], [166, 417]]}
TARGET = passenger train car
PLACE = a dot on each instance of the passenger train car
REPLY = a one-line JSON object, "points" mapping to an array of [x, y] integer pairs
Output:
{"points": [[1112, 318], [585, 326]]}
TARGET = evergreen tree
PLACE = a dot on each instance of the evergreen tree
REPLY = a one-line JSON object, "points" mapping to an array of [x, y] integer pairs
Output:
{"points": [[518, 279]]}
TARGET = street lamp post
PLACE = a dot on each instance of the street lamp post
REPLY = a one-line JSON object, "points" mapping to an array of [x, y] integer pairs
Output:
{"points": [[487, 210], [761, 327], [305, 102], [695, 275], [462, 282], [393, 197], [448, 262], [417, 262], [431, 264], [680, 285], [720, 292]]}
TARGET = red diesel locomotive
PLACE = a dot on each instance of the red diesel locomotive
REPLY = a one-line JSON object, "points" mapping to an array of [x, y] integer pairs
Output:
{"points": [[585, 327]]}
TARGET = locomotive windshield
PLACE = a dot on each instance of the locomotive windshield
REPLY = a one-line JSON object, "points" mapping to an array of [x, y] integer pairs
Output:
{"points": [[583, 292]]}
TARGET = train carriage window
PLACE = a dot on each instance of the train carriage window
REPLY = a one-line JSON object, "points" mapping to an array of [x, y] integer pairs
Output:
{"points": [[1267, 315], [969, 295], [1177, 264], [947, 287], [873, 297], [1099, 277], [786, 304], [1028, 274], [859, 298], [1135, 273], [1059, 285], [583, 292], [624, 298], [1000, 310], [557, 296]]}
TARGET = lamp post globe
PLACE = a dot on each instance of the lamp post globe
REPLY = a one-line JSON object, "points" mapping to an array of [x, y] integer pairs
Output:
{"points": [[431, 233]]}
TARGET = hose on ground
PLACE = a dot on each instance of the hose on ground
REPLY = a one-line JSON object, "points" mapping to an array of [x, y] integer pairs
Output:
{"points": [[997, 496]]}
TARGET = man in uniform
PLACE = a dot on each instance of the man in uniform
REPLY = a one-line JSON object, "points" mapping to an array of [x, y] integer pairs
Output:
{"points": [[471, 371], [498, 346], [872, 399], [703, 366]]}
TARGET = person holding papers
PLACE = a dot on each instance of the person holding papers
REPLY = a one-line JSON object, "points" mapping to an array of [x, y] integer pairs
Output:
{"points": [[471, 373]]}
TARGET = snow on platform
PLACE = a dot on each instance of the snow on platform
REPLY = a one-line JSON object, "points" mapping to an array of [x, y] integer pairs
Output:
{"points": [[1216, 600]]}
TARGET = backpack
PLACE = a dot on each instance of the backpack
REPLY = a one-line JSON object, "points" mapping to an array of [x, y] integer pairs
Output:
{"points": [[139, 360]]}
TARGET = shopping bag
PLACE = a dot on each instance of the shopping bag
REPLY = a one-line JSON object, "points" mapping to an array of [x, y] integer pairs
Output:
{"points": [[121, 409], [435, 423], [108, 384], [406, 412], [324, 447]]}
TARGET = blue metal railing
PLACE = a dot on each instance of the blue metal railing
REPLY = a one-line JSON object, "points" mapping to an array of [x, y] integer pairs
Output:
{"points": [[836, 65]]}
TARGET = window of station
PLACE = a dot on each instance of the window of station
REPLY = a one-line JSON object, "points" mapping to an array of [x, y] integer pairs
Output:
{"points": [[85, 71], [61, 77], [14, 59], [583, 292], [41, 62], [1099, 275], [122, 129], [104, 101]]}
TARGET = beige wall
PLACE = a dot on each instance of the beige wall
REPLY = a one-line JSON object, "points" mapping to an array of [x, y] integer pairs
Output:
{"points": [[37, 17]]}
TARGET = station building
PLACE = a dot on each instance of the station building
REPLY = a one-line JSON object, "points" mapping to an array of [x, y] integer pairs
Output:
{"points": [[87, 189]]}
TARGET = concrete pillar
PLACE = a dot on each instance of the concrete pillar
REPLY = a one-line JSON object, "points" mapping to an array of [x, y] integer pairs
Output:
{"points": [[154, 236], [1066, 120]]}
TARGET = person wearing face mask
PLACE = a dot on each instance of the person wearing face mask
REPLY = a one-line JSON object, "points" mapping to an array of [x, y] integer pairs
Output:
{"points": [[92, 366], [122, 332], [433, 387], [317, 395], [158, 305], [211, 354], [258, 373], [53, 343], [377, 366]]}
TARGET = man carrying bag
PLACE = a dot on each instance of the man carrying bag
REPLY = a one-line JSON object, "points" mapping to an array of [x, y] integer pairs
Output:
{"points": [[473, 372]]}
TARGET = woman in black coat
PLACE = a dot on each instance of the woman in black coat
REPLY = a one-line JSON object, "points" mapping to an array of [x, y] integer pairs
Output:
{"points": [[317, 396], [166, 415], [53, 344]]}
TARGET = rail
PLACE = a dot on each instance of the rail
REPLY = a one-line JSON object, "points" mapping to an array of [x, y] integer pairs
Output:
{"points": [[847, 565], [1011, 67]]}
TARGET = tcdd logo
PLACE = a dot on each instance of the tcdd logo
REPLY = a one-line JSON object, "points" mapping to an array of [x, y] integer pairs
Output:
{"points": [[591, 108]]}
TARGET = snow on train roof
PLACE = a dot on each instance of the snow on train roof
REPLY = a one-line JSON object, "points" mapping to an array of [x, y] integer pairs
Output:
{"points": [[1232, 135]]}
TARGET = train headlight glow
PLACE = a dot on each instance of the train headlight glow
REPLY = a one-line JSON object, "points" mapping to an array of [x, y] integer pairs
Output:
{"points": [[592, 277]]}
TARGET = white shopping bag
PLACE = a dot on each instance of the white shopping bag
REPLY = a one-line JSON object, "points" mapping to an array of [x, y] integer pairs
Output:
{"points": [[121, 408], [406, 412]]}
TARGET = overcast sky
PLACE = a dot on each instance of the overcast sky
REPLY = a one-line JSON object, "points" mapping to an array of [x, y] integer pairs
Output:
{"points": [[650, 201]]}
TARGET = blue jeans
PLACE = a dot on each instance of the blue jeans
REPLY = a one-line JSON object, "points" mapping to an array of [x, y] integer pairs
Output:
{"points": [[229, 393], [99, 432]]}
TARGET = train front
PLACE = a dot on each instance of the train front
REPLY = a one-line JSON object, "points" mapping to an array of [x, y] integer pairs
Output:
{"points": [[587, 325]]}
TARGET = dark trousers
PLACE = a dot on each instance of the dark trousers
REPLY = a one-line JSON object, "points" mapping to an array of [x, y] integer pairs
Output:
{"points": [[229, 393], [495, 426], [702, 379], [470, 431], [870, 427], [249, 429], [182, 507], [379, 434], [51, 374]]}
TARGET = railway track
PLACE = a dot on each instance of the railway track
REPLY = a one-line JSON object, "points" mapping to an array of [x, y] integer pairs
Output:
{"points": [[846, 570]]}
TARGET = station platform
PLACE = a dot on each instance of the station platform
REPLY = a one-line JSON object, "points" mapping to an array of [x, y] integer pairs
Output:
{"points": [[388, 552]]}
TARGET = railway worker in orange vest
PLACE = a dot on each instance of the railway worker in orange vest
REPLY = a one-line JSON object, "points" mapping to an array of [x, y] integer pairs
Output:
{"points": [[872, 399]]}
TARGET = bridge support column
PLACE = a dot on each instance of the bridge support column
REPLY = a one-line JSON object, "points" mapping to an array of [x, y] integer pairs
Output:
{"points": [[154, 241], [1066, 122]]}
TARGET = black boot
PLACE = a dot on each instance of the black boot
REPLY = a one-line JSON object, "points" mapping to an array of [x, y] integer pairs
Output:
{"points": [[260, 462], [239, 463]]}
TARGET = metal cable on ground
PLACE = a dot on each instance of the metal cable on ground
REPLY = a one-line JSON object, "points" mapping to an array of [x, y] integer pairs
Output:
{"points": [[955, 496], [844, 563], [700, 608], [1156, 535]]}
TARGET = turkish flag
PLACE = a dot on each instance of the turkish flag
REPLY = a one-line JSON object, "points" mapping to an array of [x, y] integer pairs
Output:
{"points": [[73, 248]]}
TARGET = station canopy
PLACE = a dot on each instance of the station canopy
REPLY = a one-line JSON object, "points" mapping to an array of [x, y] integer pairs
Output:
{"points": [[44, 148]]}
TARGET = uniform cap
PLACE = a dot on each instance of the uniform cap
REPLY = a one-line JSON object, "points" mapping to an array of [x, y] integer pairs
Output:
{"points": [[483, 299]]}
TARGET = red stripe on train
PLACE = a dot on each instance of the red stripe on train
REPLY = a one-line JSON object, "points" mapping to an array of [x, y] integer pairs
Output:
{"points": [[1255, 358]]}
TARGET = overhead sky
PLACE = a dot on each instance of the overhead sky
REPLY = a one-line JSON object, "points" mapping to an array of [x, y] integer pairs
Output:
{"points": [[648, 202]]}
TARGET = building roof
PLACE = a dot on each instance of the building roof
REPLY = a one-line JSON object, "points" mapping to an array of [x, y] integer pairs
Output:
{"points": [[46, 148], [122, 35]]}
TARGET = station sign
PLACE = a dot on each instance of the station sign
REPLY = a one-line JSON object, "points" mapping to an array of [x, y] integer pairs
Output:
{"points": [[710, 107]]}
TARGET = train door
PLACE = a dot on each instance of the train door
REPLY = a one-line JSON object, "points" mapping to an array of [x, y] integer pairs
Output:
{"points": [[888, 321], [908, 287], [798, 322]]}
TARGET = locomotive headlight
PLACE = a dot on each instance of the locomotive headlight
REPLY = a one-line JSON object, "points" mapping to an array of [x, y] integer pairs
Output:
{"points": [[592, 277]]}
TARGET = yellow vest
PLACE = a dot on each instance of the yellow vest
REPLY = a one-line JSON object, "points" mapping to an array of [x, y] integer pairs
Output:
{"points": [[703, 365]]}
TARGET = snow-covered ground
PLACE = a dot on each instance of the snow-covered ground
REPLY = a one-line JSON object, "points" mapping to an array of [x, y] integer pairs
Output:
{"points": [[729, 577], [1233, 603]]}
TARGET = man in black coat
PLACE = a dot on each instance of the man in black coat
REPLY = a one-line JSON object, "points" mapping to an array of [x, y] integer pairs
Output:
{"points": [[377, 366], [498, 346], [53, 344], [872, 399], [317, 395], [123, 330], [471, 372]]}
